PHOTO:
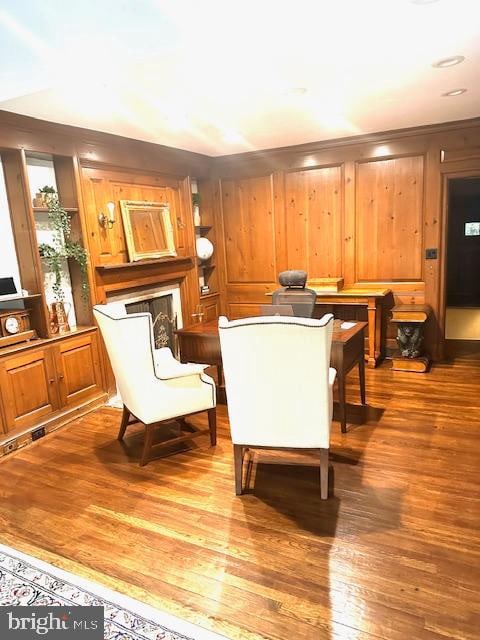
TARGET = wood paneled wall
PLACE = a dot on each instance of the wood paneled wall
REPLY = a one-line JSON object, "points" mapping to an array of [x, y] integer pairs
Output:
{"points": [[365, 209], [247, 205], [389, 216], [314, 220]]}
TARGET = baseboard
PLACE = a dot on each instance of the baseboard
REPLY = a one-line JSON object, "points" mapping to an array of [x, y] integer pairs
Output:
{"points": [[23, 437]]}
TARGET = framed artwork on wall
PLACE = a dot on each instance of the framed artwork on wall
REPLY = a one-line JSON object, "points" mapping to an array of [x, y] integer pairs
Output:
{"points": [[148, 230]]}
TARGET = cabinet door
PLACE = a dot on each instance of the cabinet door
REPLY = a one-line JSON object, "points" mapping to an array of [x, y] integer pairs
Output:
{"points": [[29, 392], [78, 370], [211, 309]]}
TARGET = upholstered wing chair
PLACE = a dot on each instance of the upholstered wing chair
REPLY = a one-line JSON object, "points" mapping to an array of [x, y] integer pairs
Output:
{"points": [[154, 386], [279, 386]]}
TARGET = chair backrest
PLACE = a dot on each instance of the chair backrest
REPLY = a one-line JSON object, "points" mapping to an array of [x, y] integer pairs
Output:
{"points": [[277, 380], [129, 342], [276, 310], [294, 293], [301, 300]]}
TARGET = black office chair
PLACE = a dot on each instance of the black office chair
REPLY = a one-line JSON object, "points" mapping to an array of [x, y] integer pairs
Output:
{"points": [[294, 293]]}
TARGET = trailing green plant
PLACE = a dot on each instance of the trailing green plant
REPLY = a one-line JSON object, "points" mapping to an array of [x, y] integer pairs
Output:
{"points": [[53, 261], [57, 215], [196, 199], [62, 247]]}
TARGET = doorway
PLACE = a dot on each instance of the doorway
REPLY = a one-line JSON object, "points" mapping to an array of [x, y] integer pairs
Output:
{"points": [[463, 260]]}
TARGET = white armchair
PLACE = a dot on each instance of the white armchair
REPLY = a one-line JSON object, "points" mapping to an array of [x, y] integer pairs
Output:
{"points": [[154, 386], [279, 383]]}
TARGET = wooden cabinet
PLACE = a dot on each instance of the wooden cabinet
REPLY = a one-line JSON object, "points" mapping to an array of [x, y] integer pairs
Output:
{"points": [[210, 307], [78, 370], [28, 386], [40, 382]]}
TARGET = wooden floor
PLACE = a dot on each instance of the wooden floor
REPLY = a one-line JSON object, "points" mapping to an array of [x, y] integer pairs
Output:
{"points": [[395, 554]]}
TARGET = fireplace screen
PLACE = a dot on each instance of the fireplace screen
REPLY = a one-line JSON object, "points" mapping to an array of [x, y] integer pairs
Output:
{"points": [[164, 320]]}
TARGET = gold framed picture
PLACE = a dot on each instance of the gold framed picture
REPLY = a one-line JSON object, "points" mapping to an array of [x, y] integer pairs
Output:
{"points": [[148, 230]]}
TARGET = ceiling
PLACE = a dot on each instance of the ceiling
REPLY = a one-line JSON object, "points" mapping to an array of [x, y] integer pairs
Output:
{"points": [[227, 76]]}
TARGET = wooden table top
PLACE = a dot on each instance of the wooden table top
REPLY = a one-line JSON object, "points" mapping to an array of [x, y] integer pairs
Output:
{"points": [[353, 293], [348, 292], [210, 329]]}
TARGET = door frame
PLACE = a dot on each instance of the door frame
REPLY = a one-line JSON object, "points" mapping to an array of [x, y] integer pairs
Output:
{"points": [[447, 176]]}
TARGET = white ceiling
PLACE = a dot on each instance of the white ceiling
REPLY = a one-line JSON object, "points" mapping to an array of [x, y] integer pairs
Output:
{"points": [[216, 76]]}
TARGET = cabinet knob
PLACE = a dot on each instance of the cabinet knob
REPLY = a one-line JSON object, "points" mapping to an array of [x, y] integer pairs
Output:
{"points": [[61, 376], [51, 381]]}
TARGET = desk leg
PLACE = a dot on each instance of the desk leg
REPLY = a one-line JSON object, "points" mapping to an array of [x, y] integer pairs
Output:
{"points": [[372, 332], [341, 400], [361, 375], [378, 332]]}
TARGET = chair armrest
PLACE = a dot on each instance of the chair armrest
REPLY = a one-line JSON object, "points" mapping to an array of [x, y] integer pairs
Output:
{"points": [[168, 368]]}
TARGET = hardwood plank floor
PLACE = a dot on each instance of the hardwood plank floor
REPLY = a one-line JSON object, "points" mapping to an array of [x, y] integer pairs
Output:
{"points": [[394, 554]]}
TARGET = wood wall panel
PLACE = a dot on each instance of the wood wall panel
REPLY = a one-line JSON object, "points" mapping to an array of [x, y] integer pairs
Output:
{"points": [[313, 208], [390, 207], [249, 227], [389, 220], [108, 246]]}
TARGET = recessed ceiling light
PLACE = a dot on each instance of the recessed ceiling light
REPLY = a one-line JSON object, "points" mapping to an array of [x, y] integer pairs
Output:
{"points": [[423, 1], [448, 62], [297, 91], [453, 92]]}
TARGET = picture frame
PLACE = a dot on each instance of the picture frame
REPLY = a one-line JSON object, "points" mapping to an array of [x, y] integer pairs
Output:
{"points": [[148, 230]]}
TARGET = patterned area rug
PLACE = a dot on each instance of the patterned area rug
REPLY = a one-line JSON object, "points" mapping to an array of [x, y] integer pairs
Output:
{"points": [[30, 582]]}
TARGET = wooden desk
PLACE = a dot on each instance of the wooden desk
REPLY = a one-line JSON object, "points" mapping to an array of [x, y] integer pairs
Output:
{"points": [[373, 299], [201, 344], [348, 350]]}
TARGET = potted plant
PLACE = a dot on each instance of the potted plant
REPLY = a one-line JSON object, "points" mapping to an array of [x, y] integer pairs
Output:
{"points": [[43, 195], [62, 247]]}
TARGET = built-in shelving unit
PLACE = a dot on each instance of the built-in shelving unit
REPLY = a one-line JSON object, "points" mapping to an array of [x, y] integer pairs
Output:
{"points": [[58, 171], [207, 269], [63, 370], [202, 229]]}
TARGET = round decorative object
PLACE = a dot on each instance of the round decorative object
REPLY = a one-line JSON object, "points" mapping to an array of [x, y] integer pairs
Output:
{"points": [[12, 325], [204, 248]]}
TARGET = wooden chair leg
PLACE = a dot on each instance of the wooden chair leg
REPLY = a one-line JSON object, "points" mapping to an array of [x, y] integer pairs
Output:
{"points": [[238, 464], [212, 425], [124, 423], [147, 444], [324, 474]]}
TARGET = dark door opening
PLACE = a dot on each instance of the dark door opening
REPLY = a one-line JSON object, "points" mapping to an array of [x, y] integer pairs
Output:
{"points": [[462, 314], [463, 243]]}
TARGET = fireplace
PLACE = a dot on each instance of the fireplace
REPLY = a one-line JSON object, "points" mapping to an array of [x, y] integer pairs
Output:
{"points": [[164, 320]]}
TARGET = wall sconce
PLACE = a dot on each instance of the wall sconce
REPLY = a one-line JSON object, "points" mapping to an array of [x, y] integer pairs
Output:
{"points": [[107, 222]]}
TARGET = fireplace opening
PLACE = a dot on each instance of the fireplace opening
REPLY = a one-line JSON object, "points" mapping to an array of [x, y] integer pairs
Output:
{"points": [[164, 319]]}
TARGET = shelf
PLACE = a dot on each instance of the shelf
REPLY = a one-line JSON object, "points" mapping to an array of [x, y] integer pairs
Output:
{"points": [[16, 297], [203, 228], [211, 294], [143, 263], [46, 210]]}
